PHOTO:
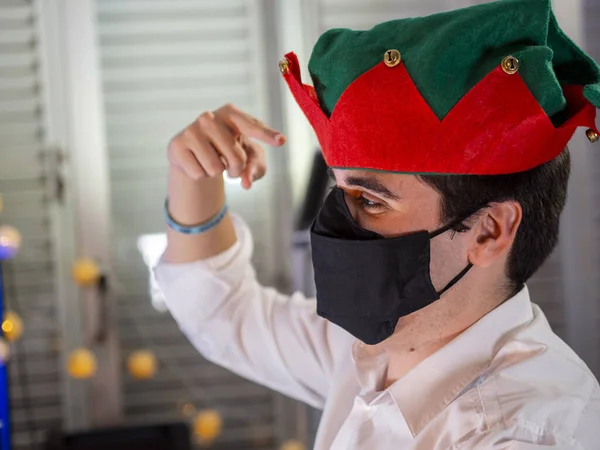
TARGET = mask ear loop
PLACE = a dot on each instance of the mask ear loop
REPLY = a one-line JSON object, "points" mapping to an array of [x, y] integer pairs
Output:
{"points": [[442, 230], [455, 222], [447, 227], [456, 279]]}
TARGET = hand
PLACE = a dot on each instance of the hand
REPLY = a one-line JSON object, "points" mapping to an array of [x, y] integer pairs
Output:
{"points": [[222, 140]]}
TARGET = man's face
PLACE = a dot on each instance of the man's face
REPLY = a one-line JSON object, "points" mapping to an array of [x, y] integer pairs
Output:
{"points": [[394, 205]]}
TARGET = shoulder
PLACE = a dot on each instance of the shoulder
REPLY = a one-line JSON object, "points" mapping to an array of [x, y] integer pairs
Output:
{"points": [[545, 394], [521, 430], [543, 402]]}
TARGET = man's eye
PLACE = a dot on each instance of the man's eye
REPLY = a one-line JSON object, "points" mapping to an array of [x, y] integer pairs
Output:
{"points": [[368, 204]]}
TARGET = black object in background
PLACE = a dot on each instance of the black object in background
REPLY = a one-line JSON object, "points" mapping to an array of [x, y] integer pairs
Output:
{"points": [[157, 437], [315, 192]]}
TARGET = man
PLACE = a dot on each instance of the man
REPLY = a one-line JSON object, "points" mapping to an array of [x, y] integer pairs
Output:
{"points": [[446, 137]]}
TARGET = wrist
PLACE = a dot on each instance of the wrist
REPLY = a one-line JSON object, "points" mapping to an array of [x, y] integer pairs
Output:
{"points": [[194, 201], [196, 229]]}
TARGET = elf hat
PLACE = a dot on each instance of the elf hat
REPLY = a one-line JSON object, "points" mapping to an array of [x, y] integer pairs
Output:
{"points": [[491, 89]]}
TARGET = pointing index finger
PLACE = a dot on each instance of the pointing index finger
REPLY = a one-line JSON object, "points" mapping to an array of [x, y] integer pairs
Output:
{"points": [[254, 128]]}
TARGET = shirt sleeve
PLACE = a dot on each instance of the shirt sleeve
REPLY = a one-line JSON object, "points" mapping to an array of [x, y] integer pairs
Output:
{"points": [[252, 330]]}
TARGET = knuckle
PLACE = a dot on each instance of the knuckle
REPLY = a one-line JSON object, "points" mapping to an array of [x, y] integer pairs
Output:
{"points": [[261, 125], [188, 133], [257, 122], [175, 144], [236, 162], [213, 168], [205, 119]]}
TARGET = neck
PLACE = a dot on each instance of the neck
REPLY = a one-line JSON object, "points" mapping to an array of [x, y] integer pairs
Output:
{"points": [[424, 332]]}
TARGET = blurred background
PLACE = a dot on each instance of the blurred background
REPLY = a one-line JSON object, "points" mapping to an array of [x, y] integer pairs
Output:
{"points": [[90, 93]]}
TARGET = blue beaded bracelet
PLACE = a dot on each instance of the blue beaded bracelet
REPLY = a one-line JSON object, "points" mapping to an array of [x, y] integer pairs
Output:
{"points": [[198, 229]]}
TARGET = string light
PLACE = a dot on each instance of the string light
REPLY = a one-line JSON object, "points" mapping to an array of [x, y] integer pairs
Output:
{"points": [[81, 363], [207, 425], [86, 272], [12, 326], [142, 364]]}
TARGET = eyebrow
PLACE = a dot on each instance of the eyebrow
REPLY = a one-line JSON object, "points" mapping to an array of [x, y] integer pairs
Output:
{"points": [[371, 184], [367, 182]]}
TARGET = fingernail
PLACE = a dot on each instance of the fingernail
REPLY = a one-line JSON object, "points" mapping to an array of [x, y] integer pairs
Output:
{"points": [[280, 138]]}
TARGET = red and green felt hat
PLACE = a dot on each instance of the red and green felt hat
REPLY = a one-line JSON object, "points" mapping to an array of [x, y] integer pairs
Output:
{"points": [[491, 89]]}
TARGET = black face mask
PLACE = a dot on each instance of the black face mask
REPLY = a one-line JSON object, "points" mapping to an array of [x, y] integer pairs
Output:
{"points": [[365, 282]]}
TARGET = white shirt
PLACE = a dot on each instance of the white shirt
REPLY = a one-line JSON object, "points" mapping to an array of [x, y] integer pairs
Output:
{"points": [[508, 382]]}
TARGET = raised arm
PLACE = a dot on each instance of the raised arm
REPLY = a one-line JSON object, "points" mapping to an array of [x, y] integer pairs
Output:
{"points": [[209, 284]]}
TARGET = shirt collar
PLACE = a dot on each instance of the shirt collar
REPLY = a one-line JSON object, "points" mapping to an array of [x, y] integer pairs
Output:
{"points": [[434, 383]]}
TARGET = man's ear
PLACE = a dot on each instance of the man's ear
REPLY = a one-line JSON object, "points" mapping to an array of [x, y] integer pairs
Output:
{"points": [[495, 232]]}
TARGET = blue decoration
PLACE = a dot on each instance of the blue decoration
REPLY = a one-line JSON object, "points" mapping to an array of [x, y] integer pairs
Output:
{"points": [[4, 405]]}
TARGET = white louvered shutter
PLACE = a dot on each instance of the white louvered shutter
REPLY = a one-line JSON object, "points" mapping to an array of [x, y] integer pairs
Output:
{"points": [[35, 387], [163, 63]]}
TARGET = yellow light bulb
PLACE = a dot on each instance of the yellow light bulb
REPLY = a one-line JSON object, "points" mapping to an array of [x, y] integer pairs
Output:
{"points": [[207, 425], [86, 272], [292, 444], [81, 363], [12, 326], [142, 364]]}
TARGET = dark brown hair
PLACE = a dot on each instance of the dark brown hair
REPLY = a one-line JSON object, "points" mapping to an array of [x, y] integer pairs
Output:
{"points": [[541, 192]]}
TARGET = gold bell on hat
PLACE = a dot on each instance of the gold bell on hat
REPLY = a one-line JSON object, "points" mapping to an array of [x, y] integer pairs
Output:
{"points": [[592, 136], [392, 58], [510, 65], [284, 66]]}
